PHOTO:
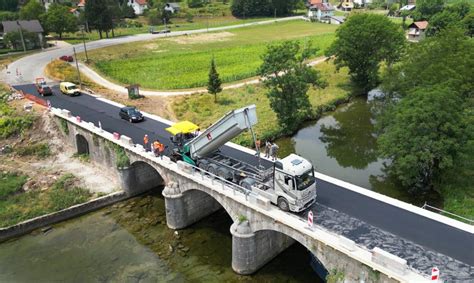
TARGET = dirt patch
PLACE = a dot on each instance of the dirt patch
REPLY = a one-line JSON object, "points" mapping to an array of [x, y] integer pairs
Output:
{"points": [[43, 172], [154, 105], [202, 38]]}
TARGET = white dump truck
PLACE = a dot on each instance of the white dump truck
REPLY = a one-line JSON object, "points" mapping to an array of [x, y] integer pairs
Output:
{"points": [[290, 183]]}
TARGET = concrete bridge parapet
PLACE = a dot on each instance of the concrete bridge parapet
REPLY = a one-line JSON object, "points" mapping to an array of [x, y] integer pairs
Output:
{"points": [[260, 230]]}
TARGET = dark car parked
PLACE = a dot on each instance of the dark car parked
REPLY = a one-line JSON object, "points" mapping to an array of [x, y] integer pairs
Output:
{"points": [[44, 89], [131, 114]]}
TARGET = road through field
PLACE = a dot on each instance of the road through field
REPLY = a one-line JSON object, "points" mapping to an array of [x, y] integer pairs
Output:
{"points": [[98, 79], [26, 69]]}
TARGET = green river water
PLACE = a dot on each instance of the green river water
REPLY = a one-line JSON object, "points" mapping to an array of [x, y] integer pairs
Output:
{"points": [[343, 144], [130, 242]]}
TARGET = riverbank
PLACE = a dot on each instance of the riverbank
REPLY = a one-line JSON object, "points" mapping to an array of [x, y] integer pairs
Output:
{"points": [[39, 174], [202, 110]]}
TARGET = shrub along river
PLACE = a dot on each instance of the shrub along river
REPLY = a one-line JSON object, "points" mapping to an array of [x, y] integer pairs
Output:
{"points": [[130, 242]]}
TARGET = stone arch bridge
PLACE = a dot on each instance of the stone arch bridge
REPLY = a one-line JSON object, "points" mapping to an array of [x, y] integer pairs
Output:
{"points": [[260, 230]]}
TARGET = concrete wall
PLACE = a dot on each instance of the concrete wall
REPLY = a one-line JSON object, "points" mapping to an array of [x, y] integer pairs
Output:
{"points": [[55, 217]]}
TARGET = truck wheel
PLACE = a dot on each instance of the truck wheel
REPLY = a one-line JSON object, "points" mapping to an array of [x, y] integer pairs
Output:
{"points": [[203, 165], [212, 169], [283, 204], [224, 173]]}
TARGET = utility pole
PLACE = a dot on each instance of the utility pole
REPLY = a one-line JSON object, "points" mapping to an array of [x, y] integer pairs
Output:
{"points": [[21, 35], [77, 67], [84, 42]]}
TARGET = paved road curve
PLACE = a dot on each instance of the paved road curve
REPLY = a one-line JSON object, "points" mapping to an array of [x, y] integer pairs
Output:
{"points": [[369, 222]]}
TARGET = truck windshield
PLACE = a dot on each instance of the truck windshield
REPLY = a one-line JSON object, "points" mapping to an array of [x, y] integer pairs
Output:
{"points": [[305, 180]]}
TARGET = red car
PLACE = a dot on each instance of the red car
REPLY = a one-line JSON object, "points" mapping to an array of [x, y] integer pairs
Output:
{"points": [[66, 58]]}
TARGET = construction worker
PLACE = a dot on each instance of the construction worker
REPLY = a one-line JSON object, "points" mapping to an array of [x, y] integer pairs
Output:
{"points": [[145, 142], [257, 147], [273, 151], [161, 150], [268, 146], [156, 146]]}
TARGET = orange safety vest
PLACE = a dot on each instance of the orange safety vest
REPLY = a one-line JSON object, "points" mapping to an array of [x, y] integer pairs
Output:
{"points": [[161, 147], [156, 145], [145, 139]]}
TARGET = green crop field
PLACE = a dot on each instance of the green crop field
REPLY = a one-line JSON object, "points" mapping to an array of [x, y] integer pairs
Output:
{"points": [[183, 62]]}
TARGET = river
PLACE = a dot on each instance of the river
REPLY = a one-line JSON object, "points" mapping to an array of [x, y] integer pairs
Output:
{"points": [[343, 144], [130, 242]]}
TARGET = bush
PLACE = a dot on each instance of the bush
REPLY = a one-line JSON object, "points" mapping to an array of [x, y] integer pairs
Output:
{"points": [[41, 150], [64, 126], [10, 126], [10, 183], [122, 160], [65, 194]]}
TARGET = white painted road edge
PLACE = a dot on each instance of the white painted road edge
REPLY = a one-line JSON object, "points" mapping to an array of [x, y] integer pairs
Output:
{"points": [[346, 185]]}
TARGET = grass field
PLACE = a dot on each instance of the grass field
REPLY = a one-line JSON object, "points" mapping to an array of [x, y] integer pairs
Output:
{"points": [[183, 62], [176, 25], [17, 206], [202, 110]]}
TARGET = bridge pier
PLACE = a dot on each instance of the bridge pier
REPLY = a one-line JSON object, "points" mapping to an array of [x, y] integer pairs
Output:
{"points": [[251, 251], [184, 209]]}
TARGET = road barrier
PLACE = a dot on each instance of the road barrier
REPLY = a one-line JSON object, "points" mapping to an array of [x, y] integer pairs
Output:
{"points": [[35, 99]]}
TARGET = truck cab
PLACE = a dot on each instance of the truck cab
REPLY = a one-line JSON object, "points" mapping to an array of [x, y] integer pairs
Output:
{"points": [[294, 183]]}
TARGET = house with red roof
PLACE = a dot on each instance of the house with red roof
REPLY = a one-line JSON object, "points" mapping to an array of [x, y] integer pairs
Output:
{"points": [[139, 6], [321, 12], [417, 30]]}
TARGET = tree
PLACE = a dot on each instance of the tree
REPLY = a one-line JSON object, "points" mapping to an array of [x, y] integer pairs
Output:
{"points": [[32, 10], [253, 8], [422, 135], [9, 5], [288, 78], [425, 9], [13, 39], [154, 17], [362, 43], [8, 16], [441, 21], [196, 3], [446, 57], [58, 19], [450, 16], [98, 16], [214, 83], [468, 23]]}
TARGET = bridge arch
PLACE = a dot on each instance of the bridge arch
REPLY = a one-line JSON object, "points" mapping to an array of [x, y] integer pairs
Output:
{"points": [[82, 144], [272, 236], [208, 202], [145, 177]]}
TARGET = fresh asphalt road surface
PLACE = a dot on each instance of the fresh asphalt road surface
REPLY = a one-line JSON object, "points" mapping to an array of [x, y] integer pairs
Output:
{"points": [[428, 233]]}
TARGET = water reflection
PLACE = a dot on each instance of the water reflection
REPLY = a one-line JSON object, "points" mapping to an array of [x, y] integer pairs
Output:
{"points": [[349, 136]]}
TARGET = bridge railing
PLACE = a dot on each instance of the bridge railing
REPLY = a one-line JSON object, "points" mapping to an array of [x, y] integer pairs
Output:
{"points": [[223, 182], [441, 211]]}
